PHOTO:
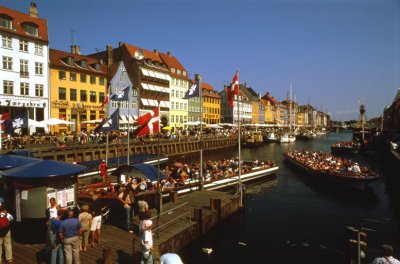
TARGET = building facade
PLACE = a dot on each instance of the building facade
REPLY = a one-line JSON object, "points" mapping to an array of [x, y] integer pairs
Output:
{"points": [[211, 104], [78, 87], [24, 73]]}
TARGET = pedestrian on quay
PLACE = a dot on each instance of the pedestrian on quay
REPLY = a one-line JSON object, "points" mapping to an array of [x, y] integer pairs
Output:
{"points": [[57, 250], [103, 171], [147, 244], [387, 251], [144, 215], [170, 258], [86, 220], [126, 200], [96, 222], [69, 232], [5, 234]]}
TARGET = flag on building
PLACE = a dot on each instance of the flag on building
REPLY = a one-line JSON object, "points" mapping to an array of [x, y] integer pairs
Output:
{"points": [[110, 123], [193, 91], [104, 104], [3, 118], [20, 121], [233, 89], [121, 95], [148, 123]]}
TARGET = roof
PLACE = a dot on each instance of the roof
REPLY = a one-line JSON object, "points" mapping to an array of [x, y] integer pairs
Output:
{"points": [[44, 169], [147, 53], [57, 56], [172, 62], [209, 90], [397, 97], [270, 98], [20, 19], [11, 161]]}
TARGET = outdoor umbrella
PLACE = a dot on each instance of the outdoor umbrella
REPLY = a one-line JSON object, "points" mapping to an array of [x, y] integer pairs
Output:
{"points": [[13, 161]]}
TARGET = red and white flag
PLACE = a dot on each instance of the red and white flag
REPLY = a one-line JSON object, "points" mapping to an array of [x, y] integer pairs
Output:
{"points": [[3, 117], [233, 89], [150, 123]]}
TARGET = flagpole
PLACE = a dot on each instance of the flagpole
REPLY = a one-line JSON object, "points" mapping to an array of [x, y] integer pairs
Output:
{"points": [[239, 149], [158, 164], [129, 130], [201, 180]]}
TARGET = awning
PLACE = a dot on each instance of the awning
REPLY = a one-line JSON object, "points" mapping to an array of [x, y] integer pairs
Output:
{"points": [[44, 169], [156, 88], [13, 161], [141, 170], [155, 74]]}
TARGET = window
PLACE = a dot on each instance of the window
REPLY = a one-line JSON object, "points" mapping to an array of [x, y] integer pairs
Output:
{"points": [[5, 22], [38, 68], [92, 97], [92, 79], [101, 97], [101, 80], [173, 70], [70, 61], [62, 93], [6, 42], [62, 113], [23, 45], [97, 67], [72, 76], [83, 77], [7, 63], [83, 96], [23, 69], [178, 71], [72, 94], [61, 75], [184, 73], [38, 49], [39, 90], [31, 29], [172, 119], [24, 88], [92, 115], [8, 87], [83, 64]]}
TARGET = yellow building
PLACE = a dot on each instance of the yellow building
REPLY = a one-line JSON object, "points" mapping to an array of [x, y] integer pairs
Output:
{"points": [[272, 112], [211, 104], [78, 85], [255, 114]]}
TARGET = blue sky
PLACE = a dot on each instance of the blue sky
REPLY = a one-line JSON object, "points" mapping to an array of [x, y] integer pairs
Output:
{"points": [[335, 52]]}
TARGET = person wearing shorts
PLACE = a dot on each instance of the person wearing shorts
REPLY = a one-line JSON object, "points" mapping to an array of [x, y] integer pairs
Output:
{"points": [[96, 225]]}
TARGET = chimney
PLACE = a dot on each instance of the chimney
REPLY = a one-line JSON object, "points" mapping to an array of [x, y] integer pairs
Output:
{"points": [[156, 51], [109, 55], [33, 12], [169, 53], [75, 49], [120, 44]]}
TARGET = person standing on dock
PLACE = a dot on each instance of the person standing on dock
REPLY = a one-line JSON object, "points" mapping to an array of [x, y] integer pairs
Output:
{"points": [[5, 234], [387, 258], [103, 171], [69, 232], [147, 244]]}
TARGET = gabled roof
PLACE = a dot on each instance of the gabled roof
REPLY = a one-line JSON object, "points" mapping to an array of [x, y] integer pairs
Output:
{"points": [[57, 57], [20, 19], [172, 62], [273, 101], [209, 90], [147, 53]]}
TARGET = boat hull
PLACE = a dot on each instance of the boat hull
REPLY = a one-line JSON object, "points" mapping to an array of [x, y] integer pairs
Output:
{"points": [[344, 150], [349, 182]]}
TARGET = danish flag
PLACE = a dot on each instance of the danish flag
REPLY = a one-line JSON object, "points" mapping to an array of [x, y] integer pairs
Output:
{"points": [[149, 123], [233, 89]]}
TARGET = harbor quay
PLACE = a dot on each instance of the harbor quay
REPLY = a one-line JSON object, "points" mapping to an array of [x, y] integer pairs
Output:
{"points": [[181, 222]]}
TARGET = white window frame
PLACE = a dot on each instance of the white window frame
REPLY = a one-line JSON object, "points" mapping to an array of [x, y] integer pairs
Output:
{"points": [[7, 63]]}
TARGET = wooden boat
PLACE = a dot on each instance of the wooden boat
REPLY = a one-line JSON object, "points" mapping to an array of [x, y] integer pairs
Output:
{"points": [[341, 147], [255, 139], [341, 177], [304, 136]]}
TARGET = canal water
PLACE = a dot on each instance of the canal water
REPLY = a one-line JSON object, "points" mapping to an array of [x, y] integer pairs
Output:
{"points": [[295, 219]]}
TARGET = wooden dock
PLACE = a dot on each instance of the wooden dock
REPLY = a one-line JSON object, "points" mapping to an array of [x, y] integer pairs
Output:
{"points": [[179, 224]]}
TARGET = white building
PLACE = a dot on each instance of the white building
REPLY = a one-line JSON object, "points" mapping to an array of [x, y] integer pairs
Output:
{"points": [[24, 71]]}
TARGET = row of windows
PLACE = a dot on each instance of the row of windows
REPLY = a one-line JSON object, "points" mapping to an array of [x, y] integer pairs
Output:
{"points": [[179, 119], [123, 104], [211, 110], [179, 106], [62, 75], [178, 71], [8, 88], [62, 113], [6, 42], [8, 65], [73, 95], [177, 94], [179, 82], [30, 28], [212, 100]]}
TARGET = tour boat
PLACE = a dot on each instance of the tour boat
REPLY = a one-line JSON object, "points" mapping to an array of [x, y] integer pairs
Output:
{"points": [[255, 139], [271, 137], [341, 177], [349, 147], [286, 138]]}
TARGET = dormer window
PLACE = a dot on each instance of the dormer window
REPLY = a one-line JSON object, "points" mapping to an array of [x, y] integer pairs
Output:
{"points": [[83, 64], [97, 66], [70, 61], [178, 71], [31, 29], [184, 73], [173, 70], [6, 21]]}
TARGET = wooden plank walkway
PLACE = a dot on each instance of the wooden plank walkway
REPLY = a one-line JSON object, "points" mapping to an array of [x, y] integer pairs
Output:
{"points": [[174, 229]]}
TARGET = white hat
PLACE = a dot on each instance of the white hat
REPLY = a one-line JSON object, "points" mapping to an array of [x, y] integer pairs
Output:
{"points": [[149, 223]]}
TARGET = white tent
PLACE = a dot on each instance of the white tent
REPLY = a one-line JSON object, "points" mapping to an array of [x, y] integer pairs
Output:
{"points": [[34, 123], [56, 121]]}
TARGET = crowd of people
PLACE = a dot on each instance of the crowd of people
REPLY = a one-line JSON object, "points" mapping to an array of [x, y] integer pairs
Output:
{"points": [[328, 163]]}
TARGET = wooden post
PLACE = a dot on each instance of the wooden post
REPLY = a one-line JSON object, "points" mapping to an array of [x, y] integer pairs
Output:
{"points": [[107, 256], [217, 206], [198, 217], [135, 250], [173, 196], [212, 204]]}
